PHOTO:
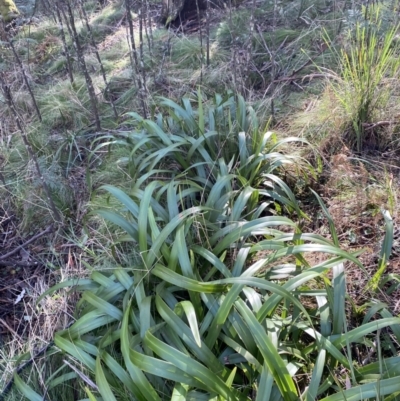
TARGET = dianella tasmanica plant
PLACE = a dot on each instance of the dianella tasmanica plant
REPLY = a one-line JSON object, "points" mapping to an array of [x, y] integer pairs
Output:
{"points": [[214, 307]]}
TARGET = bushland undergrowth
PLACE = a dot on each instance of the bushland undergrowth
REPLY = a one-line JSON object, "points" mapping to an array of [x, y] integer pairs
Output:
{"points": [[209, 191]]}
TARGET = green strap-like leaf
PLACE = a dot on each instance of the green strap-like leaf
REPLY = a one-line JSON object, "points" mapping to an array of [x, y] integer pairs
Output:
{"points": [[184, 282], [321, 343], [102, 383], [222, 314], [144, 390], [79, 284], [124, 198], [119, 220], [89, 322], [272, 359], [339, 293], [102, 306], [192, 367], [70, 348], [142, 218], [201, 351], [329, 217], [119, 371], [233, 232], [241, 350], [316, 376], [190, 313], [213, 259], [364, 330], [26, 390], [385, 253], [180, 392], [265, 384], [153, 253], [90, 395], [367, 391], [145, 315], [166, 370]]}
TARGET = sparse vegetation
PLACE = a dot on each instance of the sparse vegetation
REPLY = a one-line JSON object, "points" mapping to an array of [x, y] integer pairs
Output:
{"points": [[203, 212]]}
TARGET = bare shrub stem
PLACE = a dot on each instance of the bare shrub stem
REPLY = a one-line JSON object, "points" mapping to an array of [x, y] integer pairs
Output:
{"points": [[134, 58], [82, 65], [22, 69], [96, 51], [64, 41], [10, 103]]}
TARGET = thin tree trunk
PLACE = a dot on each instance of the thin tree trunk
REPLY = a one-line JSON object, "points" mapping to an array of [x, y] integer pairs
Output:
{"points": [[103, 73], [21, 67], [201, 42], [141, 45], [10, 103], [208, 32], [49, 6], [82, 65], [134, 58], [64, 41], [150, 36]]}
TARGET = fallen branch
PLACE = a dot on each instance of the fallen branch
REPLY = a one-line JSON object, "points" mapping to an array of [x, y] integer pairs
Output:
{"points": [[20, 368], [309, 76], [35, 237], [17, 263], [371, 126]]}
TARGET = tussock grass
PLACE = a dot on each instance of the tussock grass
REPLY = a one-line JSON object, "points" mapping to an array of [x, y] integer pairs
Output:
{"points": [[36, 33], [65, 105], [186, 52], [105, 21]]}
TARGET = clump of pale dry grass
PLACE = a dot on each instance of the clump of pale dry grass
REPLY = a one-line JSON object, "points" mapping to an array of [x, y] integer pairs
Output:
{"points": [[36, 323]]}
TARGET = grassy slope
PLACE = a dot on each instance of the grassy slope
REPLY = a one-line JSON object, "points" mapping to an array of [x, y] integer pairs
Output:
{"points": [[283, 77]]}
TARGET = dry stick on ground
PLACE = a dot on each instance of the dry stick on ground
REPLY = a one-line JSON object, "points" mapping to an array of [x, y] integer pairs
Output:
{"points": [[82, 65], [96, 51], [10, 103], [17, 263], [85, 378], [134, 57], [370, 126], [21, 67], [64, 41], [26, 243]]}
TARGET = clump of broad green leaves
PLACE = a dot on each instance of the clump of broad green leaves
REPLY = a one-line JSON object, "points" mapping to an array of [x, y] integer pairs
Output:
{"points": [[214, 309]]}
